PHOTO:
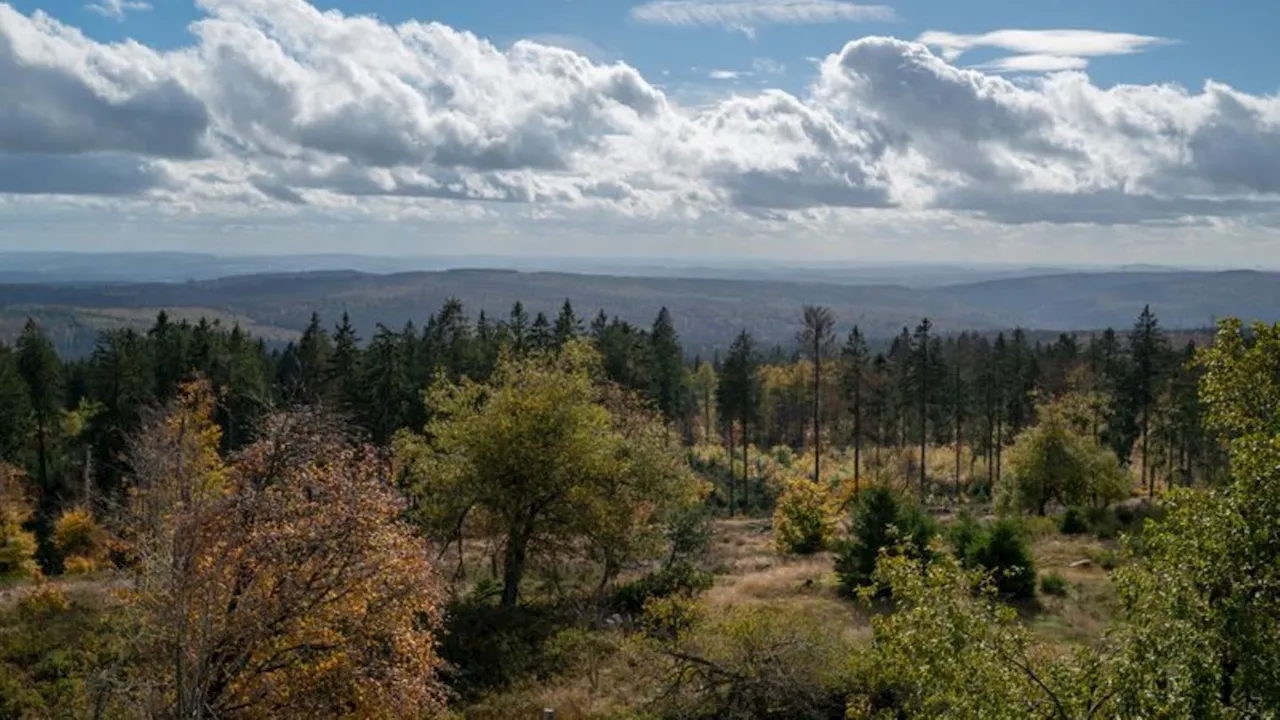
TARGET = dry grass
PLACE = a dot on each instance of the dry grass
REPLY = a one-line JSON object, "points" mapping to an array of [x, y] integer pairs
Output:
{"points": [[749, 570], [1084, 613]]}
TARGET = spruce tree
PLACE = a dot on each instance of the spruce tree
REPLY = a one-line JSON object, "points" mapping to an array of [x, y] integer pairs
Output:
{"points": [[42, 371], [15, 409], [817, 338], [385, 379], [519, 325], [922, 377], [1148, 349], [314, 351], [343, 378], [738, 396], [567, 326], [541, 337], [669, 383], [853, 386]]}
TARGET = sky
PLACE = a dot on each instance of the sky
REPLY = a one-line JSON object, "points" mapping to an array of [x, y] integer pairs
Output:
{"points": [[801, 130]]}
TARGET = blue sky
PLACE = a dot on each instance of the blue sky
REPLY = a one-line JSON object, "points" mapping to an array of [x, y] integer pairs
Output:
{"points": [[989, 129]]}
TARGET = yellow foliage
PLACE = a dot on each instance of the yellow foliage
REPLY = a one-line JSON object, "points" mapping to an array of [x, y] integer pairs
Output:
{"points": [[804, 520], [77, 535], [17, 546], [298, 583], [79, 565], [44, 601]]}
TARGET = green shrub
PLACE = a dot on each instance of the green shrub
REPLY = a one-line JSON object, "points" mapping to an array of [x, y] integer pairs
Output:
{"points": [[962, 532], [1105, 559], [755, 661], [677, 579], [1003, 552], [880, 520], [688, 531], [1053, 584], [1074, 522], [487, 647]]}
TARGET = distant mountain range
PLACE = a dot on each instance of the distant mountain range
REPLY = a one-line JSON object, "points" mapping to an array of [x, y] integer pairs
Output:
{"points": [[142, 267], [708, 311]]}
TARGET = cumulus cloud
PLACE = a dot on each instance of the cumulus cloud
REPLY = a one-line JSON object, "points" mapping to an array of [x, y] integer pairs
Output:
{"points": [[277, 104]]}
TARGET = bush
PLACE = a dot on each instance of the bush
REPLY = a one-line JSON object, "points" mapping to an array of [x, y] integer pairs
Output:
{"points": [[756, 661], [1074, 522], [677, 579], [487, 647], [802, 522], [1053, 584], [963, 531], [17, 546], [1003, 552], [76, 533], [43, 602], [880, 520]]}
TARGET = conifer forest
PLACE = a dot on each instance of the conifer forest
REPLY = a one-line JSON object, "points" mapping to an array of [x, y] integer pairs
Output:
{"points": [[496, 516]]}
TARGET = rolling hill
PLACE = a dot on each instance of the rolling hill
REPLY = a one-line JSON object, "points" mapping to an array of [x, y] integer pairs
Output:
{"points": [[708, 311]]}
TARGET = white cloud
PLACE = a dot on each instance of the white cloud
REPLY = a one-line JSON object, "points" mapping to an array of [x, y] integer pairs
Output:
{"points": [[1040, 50], [746, 15], [279, 109], [1034, 64], [767, 66], [1078, 43], [117, 8], [725, 74]]}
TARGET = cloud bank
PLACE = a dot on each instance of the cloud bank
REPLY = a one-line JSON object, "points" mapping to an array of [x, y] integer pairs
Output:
{"points": [[278, 105]]}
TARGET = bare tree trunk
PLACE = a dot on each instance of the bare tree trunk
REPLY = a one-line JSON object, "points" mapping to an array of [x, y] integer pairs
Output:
{"points": [[817, 423], [732, 460]]}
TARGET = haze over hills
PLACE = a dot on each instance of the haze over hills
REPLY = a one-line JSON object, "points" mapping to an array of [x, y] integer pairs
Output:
{"points": [[709, 311], [71, 267]]}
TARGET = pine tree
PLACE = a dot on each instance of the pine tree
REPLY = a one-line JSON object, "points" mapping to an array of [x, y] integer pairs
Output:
{"points": [[817, 337], [541, 338], [670, 386], [922, 369], [386, 381], [343, 378], [567, 326], [41, 369], [171, 351], [122, 382], [15, 409], [314, 351], [853, 385], [738, 396], [519, 325], [599, 325], [1148, 349]]}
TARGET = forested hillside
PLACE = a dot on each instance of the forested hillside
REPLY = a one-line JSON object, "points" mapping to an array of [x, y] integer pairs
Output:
{"points": [[712, 311], [484, 516]]}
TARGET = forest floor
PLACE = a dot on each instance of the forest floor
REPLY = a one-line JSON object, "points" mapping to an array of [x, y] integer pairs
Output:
{"points": [[749, 570]]}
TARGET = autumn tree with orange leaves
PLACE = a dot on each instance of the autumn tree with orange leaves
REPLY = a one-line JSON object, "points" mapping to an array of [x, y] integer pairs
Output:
{"points": [[281, 582]]}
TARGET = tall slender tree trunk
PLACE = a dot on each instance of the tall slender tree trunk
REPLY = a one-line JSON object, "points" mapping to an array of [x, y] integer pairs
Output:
{"points": [[857, 435], [817, 423], [1149, 480], [732, 461], [746, 470], [999, 447]]}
